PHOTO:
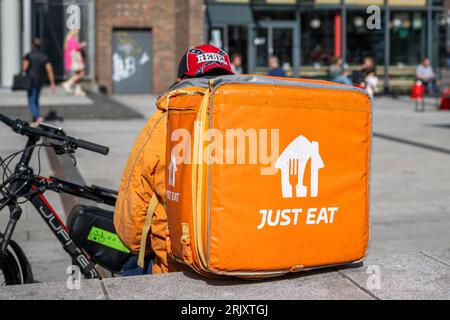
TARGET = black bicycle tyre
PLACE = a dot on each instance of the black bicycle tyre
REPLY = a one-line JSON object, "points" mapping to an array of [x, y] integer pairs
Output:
{"points": [[11, 270]]}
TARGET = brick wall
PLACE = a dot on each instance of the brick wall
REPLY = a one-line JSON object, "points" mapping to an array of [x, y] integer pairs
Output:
{"points": [[175, 25], [446, 5]]}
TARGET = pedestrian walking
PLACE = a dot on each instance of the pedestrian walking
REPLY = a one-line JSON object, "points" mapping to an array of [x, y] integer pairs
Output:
{"points": [[37, 65], [74, 63]]}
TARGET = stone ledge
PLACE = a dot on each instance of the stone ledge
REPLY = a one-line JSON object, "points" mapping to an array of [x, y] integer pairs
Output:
{"points": [[420, 275]]}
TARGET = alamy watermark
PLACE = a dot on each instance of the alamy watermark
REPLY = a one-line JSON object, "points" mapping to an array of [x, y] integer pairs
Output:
{"points": [[374, 280], [233, 146], [374, 20], [73, 21], [73, 281]]}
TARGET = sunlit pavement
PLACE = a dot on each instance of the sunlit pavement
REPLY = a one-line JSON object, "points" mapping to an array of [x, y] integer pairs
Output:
{"points": [[410, 182]]}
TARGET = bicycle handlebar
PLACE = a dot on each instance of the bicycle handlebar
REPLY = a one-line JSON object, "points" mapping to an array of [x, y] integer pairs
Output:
{"points": [[23, 128], [92, 146]]}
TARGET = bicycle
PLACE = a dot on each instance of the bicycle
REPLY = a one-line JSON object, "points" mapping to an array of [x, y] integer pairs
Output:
{"points": [[23, 183]]}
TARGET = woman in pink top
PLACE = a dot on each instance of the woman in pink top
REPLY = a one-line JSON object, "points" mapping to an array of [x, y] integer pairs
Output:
{"points": [[74, 63]]}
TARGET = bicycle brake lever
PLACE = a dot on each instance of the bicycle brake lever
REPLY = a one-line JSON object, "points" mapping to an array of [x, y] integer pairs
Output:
{"points": [[60, 147], [73, 158], [65, 147]]}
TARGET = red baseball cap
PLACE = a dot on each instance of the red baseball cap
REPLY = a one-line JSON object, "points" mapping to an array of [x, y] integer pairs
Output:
{"points": [[201, 60]]}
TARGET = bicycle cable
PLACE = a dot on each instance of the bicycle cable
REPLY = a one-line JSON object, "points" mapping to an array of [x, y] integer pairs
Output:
{"points": [[3, 166], [11, 157], [39, 156]]}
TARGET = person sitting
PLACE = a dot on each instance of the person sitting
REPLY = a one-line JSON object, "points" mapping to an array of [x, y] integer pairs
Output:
{"points": [[204, 61], [425, 73], [236, 63], [360, 74], [336, 69], [343, 78], [372, 82], [274, 67]]}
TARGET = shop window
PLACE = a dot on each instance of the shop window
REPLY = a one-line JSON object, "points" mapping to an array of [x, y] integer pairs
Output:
{"points": [[408, 38], [441, 50], [363, 42], [317, 41], [237, 43], [274, 40], [283, 47], [261, 42]]}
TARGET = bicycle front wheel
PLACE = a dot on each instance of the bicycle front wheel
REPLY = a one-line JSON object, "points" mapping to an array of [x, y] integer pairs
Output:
{"points": [[11, 272]]}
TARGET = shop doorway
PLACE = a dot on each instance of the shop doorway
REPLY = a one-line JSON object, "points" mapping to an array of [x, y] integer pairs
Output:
{"points": [[279, 38], [132, 62]]}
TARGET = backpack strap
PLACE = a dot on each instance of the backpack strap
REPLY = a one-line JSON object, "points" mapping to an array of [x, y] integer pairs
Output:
{"points": [[146, 229]]}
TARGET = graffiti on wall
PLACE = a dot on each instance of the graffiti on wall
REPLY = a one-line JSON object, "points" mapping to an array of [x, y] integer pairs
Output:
{"points": [[131, 60]]}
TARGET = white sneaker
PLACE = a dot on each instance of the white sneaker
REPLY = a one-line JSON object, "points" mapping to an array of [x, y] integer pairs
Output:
{"points": [[67, 86], [79, 92]]}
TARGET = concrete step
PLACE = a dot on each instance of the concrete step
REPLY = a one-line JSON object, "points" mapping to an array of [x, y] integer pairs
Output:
{"points": [[420, 275]]}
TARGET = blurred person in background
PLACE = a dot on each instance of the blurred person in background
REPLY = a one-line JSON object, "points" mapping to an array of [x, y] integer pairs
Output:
{"points": [[372, 82], [37, 65], [425, 73], [274, 67], [343, 78], [236, 63], [74, 63], [367, 67], [336, 68], [365, 76]]}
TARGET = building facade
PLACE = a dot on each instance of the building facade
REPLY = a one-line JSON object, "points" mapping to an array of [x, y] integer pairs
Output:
{"points": [[141, 41], [134, 46], [23, 20], [307, 35]]}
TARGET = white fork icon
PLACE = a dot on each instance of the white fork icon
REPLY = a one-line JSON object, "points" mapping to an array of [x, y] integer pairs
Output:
{"points": [[296, 177]]}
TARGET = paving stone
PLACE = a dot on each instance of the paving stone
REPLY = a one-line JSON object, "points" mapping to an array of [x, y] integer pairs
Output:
{"points": [[442, 256], [403, 276], [90, 290], [313, 285]]}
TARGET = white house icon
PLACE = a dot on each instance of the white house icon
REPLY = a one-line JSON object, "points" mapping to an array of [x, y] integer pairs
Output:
{"points": [[292, 163], [172, 171]]}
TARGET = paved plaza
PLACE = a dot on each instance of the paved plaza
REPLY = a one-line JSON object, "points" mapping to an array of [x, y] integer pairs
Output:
{"points": [[410, 204]]}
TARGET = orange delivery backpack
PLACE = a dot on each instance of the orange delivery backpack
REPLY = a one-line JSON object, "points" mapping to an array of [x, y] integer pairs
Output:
{"points": [[263, 176]]}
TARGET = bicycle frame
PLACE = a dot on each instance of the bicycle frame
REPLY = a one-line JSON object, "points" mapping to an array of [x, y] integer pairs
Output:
{"points": [[32, 187], [61, 232]]}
